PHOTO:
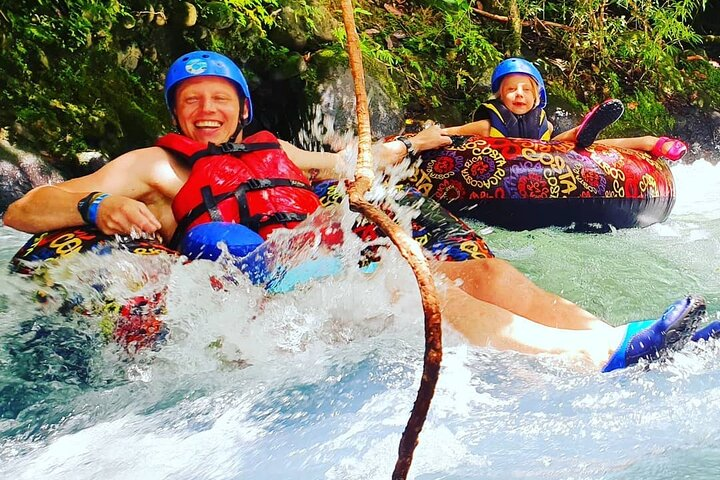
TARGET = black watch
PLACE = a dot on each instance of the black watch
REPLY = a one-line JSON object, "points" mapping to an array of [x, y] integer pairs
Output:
{"points": [[408, 144]]}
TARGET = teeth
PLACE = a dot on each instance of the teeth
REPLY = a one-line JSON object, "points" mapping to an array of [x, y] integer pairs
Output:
{"points": [[207, 124]]}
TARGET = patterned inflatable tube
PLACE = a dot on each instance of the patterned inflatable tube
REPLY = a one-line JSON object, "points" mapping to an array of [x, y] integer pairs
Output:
{"points": [[137, 324], [440, 232], [523, 184]]}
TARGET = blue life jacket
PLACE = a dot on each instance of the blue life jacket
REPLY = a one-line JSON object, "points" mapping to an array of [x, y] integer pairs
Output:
{"points": [[504, 123]]}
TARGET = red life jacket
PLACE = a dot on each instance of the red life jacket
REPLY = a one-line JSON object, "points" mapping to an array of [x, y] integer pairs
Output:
{"points": [[253, 183]]}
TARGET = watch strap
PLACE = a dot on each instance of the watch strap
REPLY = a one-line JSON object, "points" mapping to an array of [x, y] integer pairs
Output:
{"points": [[408, 144]]}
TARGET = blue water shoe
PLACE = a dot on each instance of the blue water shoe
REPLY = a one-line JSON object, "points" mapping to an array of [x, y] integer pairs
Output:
{"points": [[652, 340], [709, 331]]}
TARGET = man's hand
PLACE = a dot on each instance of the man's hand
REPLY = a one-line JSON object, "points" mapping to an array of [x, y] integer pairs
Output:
{"points": [[122, 215], [430, 139]]}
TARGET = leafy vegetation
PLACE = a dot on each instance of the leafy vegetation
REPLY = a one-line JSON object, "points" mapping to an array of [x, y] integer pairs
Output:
{"points": [[87, 75], [588, 50]]}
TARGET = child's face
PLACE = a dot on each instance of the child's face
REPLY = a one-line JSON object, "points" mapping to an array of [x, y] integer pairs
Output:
{"points": [[518, 93]]}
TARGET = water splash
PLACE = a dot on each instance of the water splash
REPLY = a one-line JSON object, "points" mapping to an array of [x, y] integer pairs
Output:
{"points": [[318, 382]]}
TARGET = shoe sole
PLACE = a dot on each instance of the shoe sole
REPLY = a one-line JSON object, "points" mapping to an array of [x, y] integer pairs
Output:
{"points": [[679, 333], [602, 117]]}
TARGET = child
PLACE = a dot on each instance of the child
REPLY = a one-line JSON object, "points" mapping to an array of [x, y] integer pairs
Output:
{"points": [[518, 111]]}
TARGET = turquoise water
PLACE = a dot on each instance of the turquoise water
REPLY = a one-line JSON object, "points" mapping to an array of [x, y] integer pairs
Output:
{"points": [[318, 383]]}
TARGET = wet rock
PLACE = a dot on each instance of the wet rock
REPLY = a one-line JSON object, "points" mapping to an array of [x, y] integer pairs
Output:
{"points": [[700, 130], [190, 14], [292, 28], [338, 102], [129, 58], [91, 161], [21, 171], [293, 66], [562, 120]]}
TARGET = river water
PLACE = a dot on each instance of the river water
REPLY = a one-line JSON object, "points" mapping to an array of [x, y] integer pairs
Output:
{"points": [[318, 383]]}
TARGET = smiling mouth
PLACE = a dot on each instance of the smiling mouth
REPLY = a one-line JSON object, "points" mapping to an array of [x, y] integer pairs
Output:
{"points": [[208, 124]]}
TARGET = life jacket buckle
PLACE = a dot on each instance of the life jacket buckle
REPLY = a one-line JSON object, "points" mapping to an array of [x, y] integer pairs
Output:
{"points": [[230, 147], [258, 183], [283, 217]]}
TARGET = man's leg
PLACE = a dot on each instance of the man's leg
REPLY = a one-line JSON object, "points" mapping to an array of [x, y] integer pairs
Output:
{"points": [[495, 281], [485, 324]]}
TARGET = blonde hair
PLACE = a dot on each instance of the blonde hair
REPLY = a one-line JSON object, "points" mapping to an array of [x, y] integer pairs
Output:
{"points": [[534, 88]]}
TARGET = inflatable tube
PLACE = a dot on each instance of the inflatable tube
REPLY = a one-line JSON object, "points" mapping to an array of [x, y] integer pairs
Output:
{"points": [[436, 229], [204, 242], [70, 241], [137, 323], [523, 184]]}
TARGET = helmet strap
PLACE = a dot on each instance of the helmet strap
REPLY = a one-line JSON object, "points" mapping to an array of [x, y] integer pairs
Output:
{"points": [[241, 122], [237, 131]]}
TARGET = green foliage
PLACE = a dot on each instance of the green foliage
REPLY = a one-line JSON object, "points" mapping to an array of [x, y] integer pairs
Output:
{"points": [[83, 74], [307, 15], [644, 114], [439, 58], [256, 13], [564, 97], [702, 83], [450, 6], [639, 40]]}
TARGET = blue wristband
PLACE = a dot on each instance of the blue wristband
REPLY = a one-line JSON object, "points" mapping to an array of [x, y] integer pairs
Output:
{"points": [[93, 208]]}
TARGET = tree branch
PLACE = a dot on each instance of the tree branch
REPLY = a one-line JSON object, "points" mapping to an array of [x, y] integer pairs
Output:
{"points": [[409, 249], [710, 38], [525, 23]]}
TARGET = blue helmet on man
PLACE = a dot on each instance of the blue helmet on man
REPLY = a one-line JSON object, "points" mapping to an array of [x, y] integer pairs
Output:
{"points": [[519, 65], [204, 64]]}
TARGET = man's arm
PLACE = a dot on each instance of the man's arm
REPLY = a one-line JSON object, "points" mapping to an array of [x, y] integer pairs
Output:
{"points": [[325, 165], [315, 165], [481, 127], [55, 206]]}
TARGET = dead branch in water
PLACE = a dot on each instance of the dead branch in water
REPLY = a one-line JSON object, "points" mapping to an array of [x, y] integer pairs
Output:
{"points": [[409, 249]]}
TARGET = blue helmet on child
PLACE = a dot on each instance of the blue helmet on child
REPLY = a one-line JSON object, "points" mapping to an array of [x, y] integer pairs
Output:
{"points": [[205, 64], [519, 65]]}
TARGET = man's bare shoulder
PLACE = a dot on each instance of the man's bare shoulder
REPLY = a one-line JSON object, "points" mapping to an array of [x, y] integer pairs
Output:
{"points": [[146, 156], [150, 162]]}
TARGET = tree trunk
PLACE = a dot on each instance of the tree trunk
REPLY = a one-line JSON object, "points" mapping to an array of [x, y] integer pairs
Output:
{"points": [[515, 28]]}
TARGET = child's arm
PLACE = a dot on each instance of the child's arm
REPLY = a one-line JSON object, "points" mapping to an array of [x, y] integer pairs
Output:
{"points": [[481, 127]]}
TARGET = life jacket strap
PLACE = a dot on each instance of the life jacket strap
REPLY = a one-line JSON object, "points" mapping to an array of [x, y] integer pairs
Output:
{"points": [[261, 184], [256, 222], [229, 148], [210, 205]]}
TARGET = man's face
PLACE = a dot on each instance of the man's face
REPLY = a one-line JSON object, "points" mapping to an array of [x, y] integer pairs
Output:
{"points": [[207, 109]]}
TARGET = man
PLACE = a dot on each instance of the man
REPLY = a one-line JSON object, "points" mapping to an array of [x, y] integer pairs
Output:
{"points": [[209, 100]]}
